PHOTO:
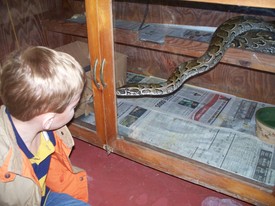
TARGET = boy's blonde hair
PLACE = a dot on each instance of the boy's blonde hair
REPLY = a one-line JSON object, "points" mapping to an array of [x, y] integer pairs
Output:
{"points": [[39, 80]]}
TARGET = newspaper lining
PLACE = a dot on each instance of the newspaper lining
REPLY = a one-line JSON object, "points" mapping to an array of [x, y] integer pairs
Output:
{"points": [[210, 127], [214, 128]]}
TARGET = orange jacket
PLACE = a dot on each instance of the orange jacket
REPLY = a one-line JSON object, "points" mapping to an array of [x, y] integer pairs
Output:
{"points": [[18, 182]]}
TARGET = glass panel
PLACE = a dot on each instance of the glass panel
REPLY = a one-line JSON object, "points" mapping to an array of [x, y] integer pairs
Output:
{"points": [[84, 114], [204, 120]]}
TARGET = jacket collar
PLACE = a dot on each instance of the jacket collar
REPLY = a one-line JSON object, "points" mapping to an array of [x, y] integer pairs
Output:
{"points": [[8, 142]]}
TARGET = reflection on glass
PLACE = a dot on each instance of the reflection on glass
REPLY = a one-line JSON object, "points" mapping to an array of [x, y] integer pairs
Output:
{"points": [[84, 113]]}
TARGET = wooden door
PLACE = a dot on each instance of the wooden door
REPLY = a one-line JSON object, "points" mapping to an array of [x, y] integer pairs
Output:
{"points": [[100, 41]]}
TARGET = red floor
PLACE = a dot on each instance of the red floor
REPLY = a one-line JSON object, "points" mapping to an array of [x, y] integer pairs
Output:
{"points": [[117, 181]]}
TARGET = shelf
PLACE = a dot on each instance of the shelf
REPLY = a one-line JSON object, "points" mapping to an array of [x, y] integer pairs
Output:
{"points": [[65, 27], [250, 3], [243, 58]]}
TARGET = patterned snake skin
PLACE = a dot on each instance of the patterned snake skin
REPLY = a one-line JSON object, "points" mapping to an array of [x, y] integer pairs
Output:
{"points": [[220, 42]]}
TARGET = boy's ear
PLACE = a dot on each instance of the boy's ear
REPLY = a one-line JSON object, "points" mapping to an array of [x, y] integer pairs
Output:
{"points": [[48, 120]]}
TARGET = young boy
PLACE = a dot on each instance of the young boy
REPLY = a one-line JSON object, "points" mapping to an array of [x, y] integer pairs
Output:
{"points": [[40, 89]]}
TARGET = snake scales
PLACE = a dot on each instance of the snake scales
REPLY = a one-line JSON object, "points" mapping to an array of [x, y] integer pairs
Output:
{"points": [[220, 42]]}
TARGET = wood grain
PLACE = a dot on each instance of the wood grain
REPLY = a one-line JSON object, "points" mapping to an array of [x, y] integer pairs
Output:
{"points": [[20, 23]]}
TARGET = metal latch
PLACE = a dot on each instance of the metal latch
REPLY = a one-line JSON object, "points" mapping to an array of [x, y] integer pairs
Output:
{"points": [[108, 149]]}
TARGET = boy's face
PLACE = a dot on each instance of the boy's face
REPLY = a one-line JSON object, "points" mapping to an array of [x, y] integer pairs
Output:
{"points": [[61, 119]]}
